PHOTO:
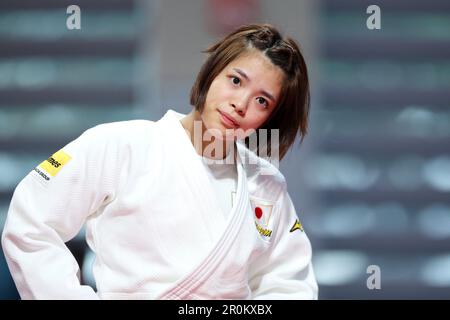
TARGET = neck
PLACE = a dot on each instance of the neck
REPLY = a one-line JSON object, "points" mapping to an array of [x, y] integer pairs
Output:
{"points": [[188, 124]]}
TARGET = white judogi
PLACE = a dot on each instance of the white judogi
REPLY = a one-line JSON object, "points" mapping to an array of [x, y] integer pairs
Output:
{"points": [[153, 222], [223, 177]]}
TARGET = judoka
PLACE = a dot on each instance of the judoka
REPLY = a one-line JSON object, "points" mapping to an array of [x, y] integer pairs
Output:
{"points": [[165, 219]]}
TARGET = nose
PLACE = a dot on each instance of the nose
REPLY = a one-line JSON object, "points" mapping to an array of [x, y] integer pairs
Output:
{"points": [[240, 106]]}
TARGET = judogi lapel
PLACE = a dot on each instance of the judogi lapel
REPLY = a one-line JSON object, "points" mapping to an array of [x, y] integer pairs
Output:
{"points": [[228, 230]]}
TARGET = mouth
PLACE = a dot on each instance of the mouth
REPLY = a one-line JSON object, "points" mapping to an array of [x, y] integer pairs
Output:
{"points": [[227, 120]]}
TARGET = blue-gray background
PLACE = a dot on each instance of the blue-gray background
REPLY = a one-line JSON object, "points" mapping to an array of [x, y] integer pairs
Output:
{"points": [[371, 182]]}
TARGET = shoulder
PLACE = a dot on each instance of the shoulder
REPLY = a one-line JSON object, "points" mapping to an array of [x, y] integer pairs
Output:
{"points": [[113, 138], [115, 146], [119, 129], [119, 133]]}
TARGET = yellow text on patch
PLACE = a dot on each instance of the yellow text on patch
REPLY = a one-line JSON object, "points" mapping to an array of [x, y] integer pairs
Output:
{"points": [[262, 231], [53, 164]]}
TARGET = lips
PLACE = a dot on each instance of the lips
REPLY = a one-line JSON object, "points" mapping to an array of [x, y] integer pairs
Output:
{"points": [[228, 120]]}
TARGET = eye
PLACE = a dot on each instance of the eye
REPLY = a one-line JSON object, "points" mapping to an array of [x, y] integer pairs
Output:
{"points": [[235, 80], [263, 101]]}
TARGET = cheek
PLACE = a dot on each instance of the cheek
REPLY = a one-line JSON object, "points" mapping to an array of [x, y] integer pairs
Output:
{"points": [[254, 120], [217, 92]]}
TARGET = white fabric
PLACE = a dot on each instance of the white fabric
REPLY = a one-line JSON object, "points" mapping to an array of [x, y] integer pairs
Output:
{"points": [[153, 223], [223, 177]]}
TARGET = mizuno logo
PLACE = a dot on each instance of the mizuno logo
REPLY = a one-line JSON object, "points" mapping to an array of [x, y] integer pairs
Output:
{"points": [[297, 226]]}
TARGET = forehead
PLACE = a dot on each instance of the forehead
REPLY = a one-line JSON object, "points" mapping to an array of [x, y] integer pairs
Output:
{"points": [[259, 69], [254, 60]]}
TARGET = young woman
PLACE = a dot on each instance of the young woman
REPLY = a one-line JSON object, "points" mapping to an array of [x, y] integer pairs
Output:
{"points": [[166, 217]]}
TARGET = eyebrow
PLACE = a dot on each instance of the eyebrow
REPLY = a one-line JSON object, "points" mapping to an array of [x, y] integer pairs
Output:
{"points": [[244, 75]]}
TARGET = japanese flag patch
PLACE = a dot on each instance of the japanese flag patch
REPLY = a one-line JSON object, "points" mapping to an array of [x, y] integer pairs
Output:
{"points": [[263, 213]]}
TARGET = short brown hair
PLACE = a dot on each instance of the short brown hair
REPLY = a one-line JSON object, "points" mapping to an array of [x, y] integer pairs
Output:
{"points": [[291, 113]]}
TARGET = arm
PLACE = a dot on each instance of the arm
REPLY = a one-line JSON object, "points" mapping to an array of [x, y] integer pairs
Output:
{"points": [[285, 270], [48, 208]]}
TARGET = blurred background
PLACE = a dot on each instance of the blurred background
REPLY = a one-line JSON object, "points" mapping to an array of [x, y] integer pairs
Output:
{"points": [[371, 182]]}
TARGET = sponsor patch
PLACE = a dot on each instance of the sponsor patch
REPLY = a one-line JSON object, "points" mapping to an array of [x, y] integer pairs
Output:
{"points": [[50, 167], [53, 164]]}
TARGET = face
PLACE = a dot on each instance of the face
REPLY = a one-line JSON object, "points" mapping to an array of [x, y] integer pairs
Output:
{"points": [[243, 95]]}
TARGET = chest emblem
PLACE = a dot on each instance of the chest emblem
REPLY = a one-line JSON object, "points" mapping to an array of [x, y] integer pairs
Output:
{"points": [[263, 217]]}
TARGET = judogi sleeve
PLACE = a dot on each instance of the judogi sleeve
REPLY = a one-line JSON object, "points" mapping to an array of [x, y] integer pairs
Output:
{"points": [[285, 270], [48, 208]]}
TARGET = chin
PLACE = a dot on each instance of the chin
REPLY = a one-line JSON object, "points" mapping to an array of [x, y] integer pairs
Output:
{"points": [[227, 134]]}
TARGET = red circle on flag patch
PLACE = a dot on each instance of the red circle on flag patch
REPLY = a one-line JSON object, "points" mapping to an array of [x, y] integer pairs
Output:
{"points": [[258, 212]]}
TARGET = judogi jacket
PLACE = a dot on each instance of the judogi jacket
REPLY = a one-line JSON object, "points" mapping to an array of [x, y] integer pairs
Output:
{"points": [[154, 223]]}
